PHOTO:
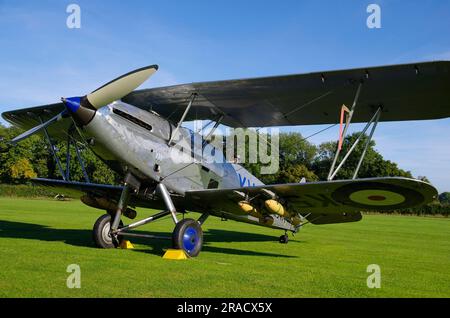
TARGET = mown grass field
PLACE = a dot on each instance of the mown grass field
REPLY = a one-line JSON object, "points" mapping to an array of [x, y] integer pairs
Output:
{"points": [[39, 239]]}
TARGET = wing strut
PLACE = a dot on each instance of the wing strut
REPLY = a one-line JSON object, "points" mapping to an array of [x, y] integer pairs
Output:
{"points": [[377, 119], [217, 123], [374, 120], [186, 111], [70, 141], [342, 135], [52, 150]]}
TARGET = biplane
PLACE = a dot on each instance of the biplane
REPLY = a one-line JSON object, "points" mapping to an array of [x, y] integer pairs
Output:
{"points": [[133, 132]]}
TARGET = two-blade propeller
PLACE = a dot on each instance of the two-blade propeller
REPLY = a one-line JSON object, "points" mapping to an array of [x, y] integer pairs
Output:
{"points": [[120, 87], [82, 109]]}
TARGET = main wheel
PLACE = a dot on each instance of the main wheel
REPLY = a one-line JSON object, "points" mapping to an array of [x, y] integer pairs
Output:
{"points": [[188, 236], [284, 239], [102, 233]]}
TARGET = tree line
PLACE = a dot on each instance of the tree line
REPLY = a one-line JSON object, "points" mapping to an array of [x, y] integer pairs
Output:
{"points": [[32, 158], [298, 158]]}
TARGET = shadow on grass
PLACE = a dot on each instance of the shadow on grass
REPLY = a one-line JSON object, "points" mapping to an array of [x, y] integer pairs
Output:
{"points": [[83, 238]]}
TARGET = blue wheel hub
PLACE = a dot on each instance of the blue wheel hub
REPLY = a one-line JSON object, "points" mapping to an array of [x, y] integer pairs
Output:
{"points": [[190, 239]]}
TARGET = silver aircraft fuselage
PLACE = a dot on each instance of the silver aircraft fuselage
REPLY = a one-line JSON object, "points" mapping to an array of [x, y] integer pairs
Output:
{"points": [[127, 137]]}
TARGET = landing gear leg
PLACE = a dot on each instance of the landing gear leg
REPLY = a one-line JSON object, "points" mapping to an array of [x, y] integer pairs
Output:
{"points": [[161, 188], [106, 227], [188, 234]]}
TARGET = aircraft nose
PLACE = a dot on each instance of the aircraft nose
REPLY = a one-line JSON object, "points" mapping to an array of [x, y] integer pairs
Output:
{"points": [[72, 103], [81, 114]]}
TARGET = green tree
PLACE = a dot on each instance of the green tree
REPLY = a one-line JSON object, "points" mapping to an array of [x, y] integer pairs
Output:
{"points": [[294, 173], [21, 170], [32, 157], [295, 154], [373, 165], [294, 149], [15, 162], [444, 198], [96, 169]]}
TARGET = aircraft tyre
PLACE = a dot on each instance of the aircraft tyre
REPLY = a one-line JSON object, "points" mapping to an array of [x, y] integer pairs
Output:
{"points": [[188, 236], [284, 239], [101, 233]]}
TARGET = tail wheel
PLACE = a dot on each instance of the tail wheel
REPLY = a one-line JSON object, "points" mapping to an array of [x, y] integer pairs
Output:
{"points": [[188, 236], [284, 239], [102, 233]]}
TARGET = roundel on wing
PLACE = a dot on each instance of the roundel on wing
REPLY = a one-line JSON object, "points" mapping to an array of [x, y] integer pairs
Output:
{"points": [[379, 196]]}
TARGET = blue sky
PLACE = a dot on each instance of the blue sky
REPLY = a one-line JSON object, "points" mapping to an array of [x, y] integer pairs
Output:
{"points": [[42, 60]]}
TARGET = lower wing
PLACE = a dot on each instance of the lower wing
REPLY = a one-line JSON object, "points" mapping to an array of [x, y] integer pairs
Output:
{"points": [[320, 202], [110, 192]]}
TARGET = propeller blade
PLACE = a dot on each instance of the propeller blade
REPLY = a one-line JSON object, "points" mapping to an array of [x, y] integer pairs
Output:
{"points": [[37, 128], [120, 87]]}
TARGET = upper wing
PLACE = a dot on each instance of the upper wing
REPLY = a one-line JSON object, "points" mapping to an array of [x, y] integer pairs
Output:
{"points": [[28, 118], [325, 202], [406, 92]]}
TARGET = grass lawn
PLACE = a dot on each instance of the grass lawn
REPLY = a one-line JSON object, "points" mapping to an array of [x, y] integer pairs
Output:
{"points": [[39, 239]]}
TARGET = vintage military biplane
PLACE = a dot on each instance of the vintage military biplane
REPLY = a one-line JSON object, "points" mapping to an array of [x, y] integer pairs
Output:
{"points": [[134, 131]]}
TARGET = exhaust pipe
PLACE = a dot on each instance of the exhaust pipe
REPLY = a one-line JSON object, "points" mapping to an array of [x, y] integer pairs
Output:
{"points": [[105, 204]]}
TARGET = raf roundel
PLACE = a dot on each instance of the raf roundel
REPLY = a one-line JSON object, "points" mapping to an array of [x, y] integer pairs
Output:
{"points": [[382, 196], [377, 197]]}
